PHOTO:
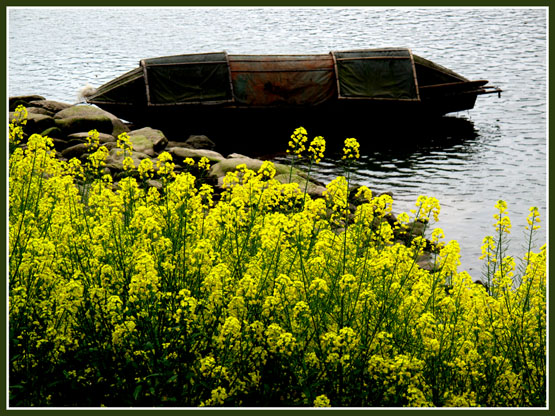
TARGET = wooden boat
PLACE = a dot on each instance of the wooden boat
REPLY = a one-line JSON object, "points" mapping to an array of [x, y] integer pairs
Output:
{"points": [[220, 88]]}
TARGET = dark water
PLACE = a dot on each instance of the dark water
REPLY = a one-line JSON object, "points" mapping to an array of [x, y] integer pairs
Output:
{"points": [[498, 150]]}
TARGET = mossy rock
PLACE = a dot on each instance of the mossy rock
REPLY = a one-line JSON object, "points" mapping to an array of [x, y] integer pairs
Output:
{"points": [[83, 137], [114, 161], [23, 100], [181, 153], [52, 132], [71, 125], [76, 151], [49, 105], [199, 141], [148, 140], [230, 165], [312, 188], [93, 113], [38, 110]]}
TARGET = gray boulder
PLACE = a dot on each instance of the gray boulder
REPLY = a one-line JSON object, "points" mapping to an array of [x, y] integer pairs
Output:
{"points": [[79, 118], [77, 124], [230, 164], [180, 153], [114, 161], [82, 137], [200, 142], [38, 110], [52, 107], [148, 140], [53, 132], [77, 151], [312, 189], [23, 100]]}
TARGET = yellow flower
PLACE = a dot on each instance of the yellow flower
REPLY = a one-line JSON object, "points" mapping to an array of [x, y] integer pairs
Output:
{"points": [[322, 401], [204, 163], [267, 170], [146, 168], [16, 126], [503, 224], [533, 218], [317, 148], [124, 143], [426, 206], [128, 164], [351, 149], [165, 165], [297, 142]]}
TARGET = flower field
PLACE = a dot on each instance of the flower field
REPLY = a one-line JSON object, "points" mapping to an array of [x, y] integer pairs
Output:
{"points": [[261, 296]]}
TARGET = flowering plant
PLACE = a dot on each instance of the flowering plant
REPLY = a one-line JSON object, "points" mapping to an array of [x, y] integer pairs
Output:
{"points": [[136, 297]]}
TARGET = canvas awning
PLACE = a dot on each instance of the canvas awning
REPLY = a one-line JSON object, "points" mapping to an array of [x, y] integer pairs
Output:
{"points": [[282, 80], [188, 79], [376, 74], [266, 80]]}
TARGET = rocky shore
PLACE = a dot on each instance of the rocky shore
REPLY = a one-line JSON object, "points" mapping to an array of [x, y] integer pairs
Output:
{"points": [[68, 126]]}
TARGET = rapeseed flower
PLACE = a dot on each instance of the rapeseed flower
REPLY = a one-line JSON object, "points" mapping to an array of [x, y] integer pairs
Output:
{"points": [[322, 401], [132, 295], [316, 149], [297, 142], [351, 149]]}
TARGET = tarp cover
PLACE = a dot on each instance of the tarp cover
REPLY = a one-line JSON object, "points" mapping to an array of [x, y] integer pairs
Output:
{"points": [[128, 88], [384, 74], [188, 79], [282, 80]]}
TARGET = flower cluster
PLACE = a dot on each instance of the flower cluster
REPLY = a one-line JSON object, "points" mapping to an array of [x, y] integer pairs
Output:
{"points": [[317, 148], [297, 142], [351, 149], [17, 124], [134, 296]]}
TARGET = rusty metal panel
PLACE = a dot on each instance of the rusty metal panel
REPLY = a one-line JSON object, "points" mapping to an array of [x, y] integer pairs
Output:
{"points": [[282, 80]]}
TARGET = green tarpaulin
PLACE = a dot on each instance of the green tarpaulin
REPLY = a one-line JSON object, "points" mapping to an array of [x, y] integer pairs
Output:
{"points": [[188, 79], [384, 74], [127, 89]]}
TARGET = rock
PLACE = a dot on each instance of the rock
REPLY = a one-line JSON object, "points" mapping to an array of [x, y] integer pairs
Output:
{"points": [[182, 153], [52, 132], [230, 164], [111, 145], [23, 100], [59, 145], [425, 261], [76, 124], [148, 140], [115, 162], [200, 142], [38, 110], [36, 123], [76, 151], [82, 137], [172, 144], [312, 189], [84, 112], [153, 183], [237, 156], [49, 105]]}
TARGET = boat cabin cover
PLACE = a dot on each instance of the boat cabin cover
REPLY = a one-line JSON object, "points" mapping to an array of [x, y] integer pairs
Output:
{"points": [[271, 80]]}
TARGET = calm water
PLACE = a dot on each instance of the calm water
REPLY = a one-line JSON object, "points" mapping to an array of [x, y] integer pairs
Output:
{"points": [[499, 151]]}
